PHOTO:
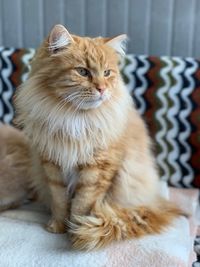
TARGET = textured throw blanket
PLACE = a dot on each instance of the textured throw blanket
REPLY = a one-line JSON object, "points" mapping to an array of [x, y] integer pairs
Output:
{"points": [[25, 242]]}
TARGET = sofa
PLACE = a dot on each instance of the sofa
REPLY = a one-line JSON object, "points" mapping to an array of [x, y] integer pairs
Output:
{"points": [[166, 92]]}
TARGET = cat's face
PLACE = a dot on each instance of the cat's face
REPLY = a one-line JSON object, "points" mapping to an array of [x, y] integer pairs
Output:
{"points": [[83, 71], [88, 75]]}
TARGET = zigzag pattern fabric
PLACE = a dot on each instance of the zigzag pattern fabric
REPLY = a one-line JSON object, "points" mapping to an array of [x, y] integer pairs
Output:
{"points": [[14, 65], [166, 92]]}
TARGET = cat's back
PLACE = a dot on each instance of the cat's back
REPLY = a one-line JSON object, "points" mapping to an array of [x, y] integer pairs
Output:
{"points": [[14, 167]]}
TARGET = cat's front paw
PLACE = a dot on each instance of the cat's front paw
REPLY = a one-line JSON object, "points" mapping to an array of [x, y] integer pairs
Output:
{"points": [[56, 227]]}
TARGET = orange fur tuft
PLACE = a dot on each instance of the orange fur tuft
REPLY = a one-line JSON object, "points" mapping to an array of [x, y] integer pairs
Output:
{"points": [[14, 167], [109, 223]]}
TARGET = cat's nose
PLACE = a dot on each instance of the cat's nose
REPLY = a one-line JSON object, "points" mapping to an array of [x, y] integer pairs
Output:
{"points": [[101, 89]]}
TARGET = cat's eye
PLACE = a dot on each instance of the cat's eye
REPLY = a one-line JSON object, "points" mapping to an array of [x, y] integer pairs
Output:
{"points": [[106, 73], [83, 72]]}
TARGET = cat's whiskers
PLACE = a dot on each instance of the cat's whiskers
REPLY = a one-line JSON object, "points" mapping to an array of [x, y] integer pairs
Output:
{"points": [[71, 95], [60, 106], [79, 104], [71, 99], [74, 95]]}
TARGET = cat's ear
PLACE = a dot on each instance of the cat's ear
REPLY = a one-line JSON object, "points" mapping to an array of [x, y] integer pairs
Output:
{"points": [[59, 37], [119, 43]]}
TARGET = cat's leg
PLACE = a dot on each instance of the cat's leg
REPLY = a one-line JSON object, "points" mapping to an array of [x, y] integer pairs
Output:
{"points": [[58, 192], [93, 184]]}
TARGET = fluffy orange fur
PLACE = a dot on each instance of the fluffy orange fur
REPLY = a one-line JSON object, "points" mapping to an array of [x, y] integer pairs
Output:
{"points": [[94, 152], [14, 167]]}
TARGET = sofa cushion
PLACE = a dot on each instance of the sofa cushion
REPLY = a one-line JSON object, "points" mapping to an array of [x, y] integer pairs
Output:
{"points": [[166, 92]]}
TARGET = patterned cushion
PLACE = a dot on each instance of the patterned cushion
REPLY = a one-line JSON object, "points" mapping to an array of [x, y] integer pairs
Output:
{"points": [[166, 93]]}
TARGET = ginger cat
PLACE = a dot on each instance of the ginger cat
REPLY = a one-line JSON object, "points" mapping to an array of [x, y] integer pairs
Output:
{"points": [[92, 144]]}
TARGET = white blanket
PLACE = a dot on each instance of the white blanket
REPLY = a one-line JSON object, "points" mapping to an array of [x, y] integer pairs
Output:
{"points": [[25, 243]]}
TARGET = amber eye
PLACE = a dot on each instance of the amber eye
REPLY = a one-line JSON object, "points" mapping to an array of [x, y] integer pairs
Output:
{"points": [[83, 72], [106, 73]]}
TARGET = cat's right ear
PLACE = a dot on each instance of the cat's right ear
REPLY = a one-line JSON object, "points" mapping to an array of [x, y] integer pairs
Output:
{"points": [[59, 38]]}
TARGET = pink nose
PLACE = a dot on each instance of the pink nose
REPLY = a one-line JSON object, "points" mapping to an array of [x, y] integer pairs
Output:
{"points": [[101, 89]]}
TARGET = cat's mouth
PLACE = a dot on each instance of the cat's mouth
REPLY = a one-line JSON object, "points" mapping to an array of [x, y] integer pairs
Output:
{"points": [[81, 102], [90, 103]]}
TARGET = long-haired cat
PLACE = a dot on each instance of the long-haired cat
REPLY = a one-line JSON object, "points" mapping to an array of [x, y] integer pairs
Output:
{"points": [[92, 144]]}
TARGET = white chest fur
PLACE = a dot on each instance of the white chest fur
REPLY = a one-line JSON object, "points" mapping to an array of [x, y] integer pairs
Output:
{"points": [[70, 138]]}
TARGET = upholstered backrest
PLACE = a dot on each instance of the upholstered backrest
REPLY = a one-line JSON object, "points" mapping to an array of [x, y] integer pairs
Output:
{"points": [[166, 92]]}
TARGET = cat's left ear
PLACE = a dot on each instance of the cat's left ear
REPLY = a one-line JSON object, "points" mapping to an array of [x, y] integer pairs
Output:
{"points": [[119, 43], [59, 37]]}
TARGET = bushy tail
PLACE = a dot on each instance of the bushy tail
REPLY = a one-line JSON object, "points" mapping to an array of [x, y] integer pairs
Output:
{"points": [[108, 223]]}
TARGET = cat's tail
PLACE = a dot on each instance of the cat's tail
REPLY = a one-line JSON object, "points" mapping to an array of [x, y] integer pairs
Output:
{"points": [[108, 223]]}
